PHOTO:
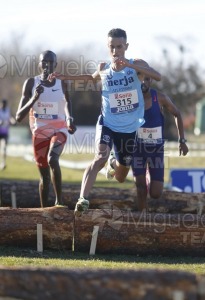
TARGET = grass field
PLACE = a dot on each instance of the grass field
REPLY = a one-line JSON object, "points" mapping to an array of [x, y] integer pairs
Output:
{"points": [[10, 257], [18, 168]]}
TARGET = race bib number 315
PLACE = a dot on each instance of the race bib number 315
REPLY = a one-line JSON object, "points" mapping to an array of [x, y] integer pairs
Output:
{"points": [[123, 102]]}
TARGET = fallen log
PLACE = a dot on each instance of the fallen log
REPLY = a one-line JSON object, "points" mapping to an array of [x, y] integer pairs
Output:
{"points": [[18, 227], [72, 284], [129, 232], [27, 195], [178, 202], [170, 202], [120, 231]]}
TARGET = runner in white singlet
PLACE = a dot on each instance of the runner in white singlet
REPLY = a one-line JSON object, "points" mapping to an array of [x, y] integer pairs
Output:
{"points": [[50, 119]]}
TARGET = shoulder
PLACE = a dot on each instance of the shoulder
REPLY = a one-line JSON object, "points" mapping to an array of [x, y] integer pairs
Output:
{"points": [[29, 83], [140, 62], [163, 99], [101, 66]]}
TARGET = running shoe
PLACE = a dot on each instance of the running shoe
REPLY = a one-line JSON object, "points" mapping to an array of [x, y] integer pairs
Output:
{"points": [[81, 206]]}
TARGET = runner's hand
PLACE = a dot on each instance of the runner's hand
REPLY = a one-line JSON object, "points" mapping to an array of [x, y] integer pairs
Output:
{"points": [[38, 90], [57, 75]]}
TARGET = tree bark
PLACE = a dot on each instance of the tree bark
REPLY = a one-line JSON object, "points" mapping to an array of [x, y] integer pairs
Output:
{"points": [[129, 232], [18, 227], [74, 284], [171, 202], [120, 231]]}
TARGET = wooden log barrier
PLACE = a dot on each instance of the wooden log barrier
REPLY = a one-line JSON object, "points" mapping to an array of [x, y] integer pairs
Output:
{"points": [[170, 202], [129, 232], [120, 231], [18, 227], [101, 284], [26, 192], [27, 195]]}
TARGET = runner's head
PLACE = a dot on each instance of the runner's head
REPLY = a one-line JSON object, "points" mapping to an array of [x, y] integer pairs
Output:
{"points": [[146, 83], [47, 62], [117, 42]]}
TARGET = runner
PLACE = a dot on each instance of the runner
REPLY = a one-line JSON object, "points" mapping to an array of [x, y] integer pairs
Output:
{"points": [[50, 119], [148, 160], [6, 120]]}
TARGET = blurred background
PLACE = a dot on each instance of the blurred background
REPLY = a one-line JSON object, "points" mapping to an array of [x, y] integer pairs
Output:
{"points": [[167, 35]]}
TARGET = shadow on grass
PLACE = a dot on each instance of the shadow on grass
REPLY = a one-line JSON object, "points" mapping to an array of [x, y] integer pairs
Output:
{"points": [[6, 251]]}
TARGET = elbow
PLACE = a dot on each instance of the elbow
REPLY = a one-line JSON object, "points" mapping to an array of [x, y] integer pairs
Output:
{"points": [[18, 119], [158, 77]]}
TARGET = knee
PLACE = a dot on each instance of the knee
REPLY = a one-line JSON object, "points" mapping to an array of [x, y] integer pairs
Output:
{"points": [[156, 194], [53, 161], [99, 162], [156, 189], [120, 179]]}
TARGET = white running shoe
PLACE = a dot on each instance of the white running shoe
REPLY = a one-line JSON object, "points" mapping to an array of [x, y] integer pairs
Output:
{"points": [[81, 206], [110, 171]]}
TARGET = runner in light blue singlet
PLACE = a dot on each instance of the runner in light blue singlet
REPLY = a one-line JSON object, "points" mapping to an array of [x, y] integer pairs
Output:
{"points": [[122, 99], [121, 114]]}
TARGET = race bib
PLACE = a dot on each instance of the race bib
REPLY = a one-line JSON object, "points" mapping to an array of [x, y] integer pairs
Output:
{"points": [[122, 102], [46, 110], [150, 135]]}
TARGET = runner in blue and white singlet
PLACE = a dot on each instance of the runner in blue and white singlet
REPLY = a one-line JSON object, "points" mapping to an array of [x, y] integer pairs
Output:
{"points": [[121, 114], [122, 99]]}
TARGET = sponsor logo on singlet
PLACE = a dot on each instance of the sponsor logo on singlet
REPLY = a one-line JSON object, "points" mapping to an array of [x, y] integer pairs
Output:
{"points": [[122, 81]]}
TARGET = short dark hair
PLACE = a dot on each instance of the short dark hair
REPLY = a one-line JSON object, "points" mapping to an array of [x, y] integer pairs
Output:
{"points": [[47, 52], [117, 33]]}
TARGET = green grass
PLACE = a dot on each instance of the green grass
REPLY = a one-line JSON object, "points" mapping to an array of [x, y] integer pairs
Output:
{"points": [[19, 169], [10, 257]]}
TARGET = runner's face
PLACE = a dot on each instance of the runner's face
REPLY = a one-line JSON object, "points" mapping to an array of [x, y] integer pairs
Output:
{"points": [[47, 63], [145, 86], [117, 47]]}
